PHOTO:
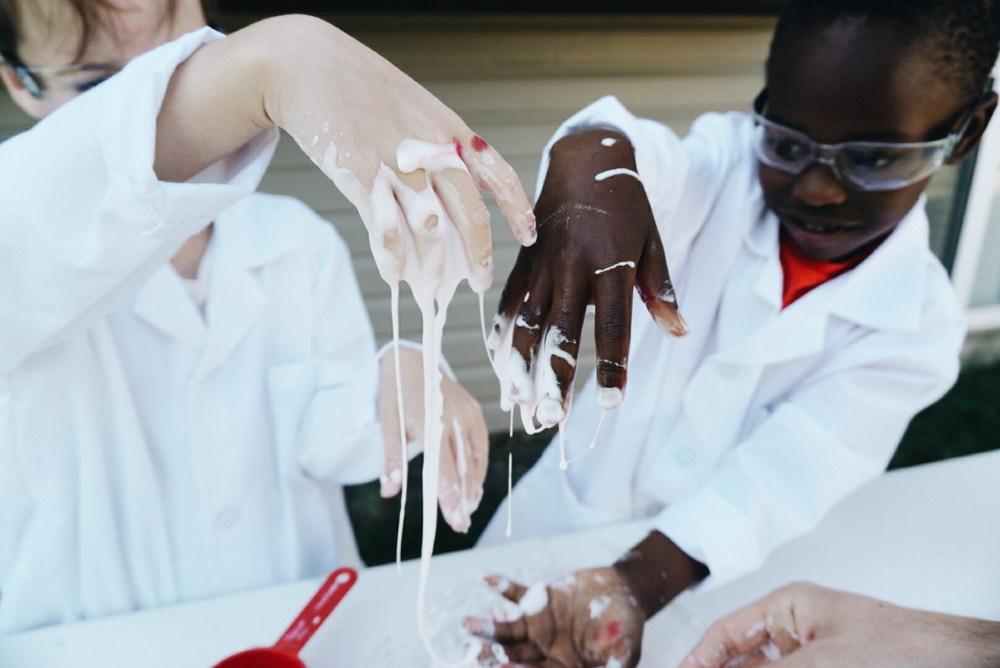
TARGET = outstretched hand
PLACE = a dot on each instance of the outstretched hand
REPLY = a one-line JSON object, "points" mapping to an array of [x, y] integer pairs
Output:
{"points": [[588, 619], [596, 240]]}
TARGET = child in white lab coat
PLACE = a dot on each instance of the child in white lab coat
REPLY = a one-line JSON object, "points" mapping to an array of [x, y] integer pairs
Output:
{"points": [[820, 322], [178, 402]]}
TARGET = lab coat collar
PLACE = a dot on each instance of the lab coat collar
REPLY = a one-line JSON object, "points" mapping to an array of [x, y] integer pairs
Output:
{"points": [[246, 239], [886, 291], [163, 302]]}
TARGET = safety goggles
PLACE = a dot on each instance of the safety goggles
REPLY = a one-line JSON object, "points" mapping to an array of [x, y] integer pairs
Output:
{"points": [[860, 165], [60, 84]]}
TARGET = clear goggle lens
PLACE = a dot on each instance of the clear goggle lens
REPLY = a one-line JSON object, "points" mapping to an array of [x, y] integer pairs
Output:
{"points": [[860, 165]]}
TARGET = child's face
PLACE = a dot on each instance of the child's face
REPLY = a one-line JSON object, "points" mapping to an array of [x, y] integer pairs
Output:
{"points": [[50, 37], [851, 83]]}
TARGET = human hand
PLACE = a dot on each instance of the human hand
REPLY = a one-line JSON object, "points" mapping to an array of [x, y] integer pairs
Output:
{"points": [[407, 162], [465, 440], [588, 619], [803, 624], [596, 239]]}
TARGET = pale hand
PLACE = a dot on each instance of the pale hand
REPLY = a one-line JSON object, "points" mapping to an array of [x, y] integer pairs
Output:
{"points": [[804, 625], [465, 441], [584, 620], [409, 164]]}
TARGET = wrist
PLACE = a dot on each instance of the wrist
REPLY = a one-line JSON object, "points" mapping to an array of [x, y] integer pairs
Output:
{"points": [[656, 571]]}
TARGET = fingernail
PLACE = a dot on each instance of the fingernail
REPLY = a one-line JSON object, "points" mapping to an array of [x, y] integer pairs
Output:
{"points": [[550, 412], [391, 483], [669, 319], [609, 398]]}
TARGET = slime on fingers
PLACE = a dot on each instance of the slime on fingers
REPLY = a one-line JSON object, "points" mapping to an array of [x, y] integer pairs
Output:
{"points": [[410, 243]]}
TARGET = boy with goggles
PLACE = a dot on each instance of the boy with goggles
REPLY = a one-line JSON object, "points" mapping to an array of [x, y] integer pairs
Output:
{"points": [[820, 322]]}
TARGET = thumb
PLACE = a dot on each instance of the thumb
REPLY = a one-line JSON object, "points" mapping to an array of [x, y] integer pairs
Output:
{"points": [[652, 280]]}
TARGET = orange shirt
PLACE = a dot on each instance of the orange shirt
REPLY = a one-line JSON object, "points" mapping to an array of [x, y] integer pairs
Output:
{"points": [[802, 273]]}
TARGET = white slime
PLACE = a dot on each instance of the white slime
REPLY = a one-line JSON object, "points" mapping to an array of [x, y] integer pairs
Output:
{"points": [[617, 172], [424, 248]]}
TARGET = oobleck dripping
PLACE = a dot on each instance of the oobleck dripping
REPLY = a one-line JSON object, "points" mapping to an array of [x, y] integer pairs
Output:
{"points": [[510, 481], [423, 247], [618, 171]]}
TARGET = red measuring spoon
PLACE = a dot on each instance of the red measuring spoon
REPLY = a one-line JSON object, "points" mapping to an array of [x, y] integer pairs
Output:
{"points": [[285, 652]]}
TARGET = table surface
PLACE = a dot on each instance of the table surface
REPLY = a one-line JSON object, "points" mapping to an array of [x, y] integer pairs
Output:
{"points": [[927, 537]]}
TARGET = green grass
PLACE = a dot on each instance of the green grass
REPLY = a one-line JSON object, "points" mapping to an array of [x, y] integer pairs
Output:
{"points": [[963, 422]]}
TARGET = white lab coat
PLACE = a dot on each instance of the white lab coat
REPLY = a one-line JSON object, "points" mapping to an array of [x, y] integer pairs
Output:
{"points": [[149, 455], [743, 434]]}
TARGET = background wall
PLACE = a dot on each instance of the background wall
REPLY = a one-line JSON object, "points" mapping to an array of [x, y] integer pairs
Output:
{"points": [[514, 79]]}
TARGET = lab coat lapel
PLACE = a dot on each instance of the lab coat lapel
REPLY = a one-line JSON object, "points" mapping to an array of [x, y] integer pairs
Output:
{"points": [[164, 303], [236, 299]]}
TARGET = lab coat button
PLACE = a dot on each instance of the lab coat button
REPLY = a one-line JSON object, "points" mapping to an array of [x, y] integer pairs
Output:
{"points": [[685, 457], [228, 517]]}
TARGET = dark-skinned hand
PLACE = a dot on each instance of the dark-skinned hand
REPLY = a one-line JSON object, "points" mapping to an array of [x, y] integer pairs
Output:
{"points": [[588, 619], [596, 240]]}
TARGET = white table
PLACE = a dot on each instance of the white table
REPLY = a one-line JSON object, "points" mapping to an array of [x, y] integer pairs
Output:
{"points": [[926, 537]]}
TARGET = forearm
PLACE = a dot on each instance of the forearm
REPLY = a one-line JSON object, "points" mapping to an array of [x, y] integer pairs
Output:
{"points": [[230, 90], [656, 571]]}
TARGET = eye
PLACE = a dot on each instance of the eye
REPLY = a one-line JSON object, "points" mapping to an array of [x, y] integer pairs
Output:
{"points": [[788, 148], [87, 85], [869, 159]]}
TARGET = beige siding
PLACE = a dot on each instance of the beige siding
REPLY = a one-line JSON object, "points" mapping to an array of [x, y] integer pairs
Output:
{"points": [[513, 80]]}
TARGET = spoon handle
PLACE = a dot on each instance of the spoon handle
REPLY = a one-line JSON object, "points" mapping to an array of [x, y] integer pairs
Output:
{"points": [[317, 610]]}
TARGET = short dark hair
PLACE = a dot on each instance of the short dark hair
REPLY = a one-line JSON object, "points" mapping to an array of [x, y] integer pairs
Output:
{"points": [[91, 14], [962, 36]]}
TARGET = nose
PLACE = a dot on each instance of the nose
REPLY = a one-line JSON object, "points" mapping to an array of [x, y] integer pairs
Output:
{"points": [[817, 186]]}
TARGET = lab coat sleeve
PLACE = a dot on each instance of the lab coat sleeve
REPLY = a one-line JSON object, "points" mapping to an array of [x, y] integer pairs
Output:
{"points": [[682, 178], [84, 221], [835, 431], [341, 439]]}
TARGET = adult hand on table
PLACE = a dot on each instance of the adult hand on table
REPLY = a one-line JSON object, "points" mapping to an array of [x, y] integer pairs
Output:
{"points": [[465, 441], [804, 625], [402, 157], [586, 619], [596, 240]]}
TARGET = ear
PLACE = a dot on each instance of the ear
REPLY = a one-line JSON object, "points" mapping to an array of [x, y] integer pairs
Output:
{"points": [[974, 133], [31, 106]]}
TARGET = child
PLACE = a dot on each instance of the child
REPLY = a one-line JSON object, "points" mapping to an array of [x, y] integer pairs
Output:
{"points": [[820, 321], [170, 431]]}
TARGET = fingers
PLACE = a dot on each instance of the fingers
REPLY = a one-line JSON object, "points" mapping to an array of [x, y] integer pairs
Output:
{"points": [[385, 223], [452, 486], [518, 384], [465, 207], [492, 173], [742, 633], [509, 589], [510, 299], [612, 331], [506, 633], [656, 290], [560, 349], [388, 411]]}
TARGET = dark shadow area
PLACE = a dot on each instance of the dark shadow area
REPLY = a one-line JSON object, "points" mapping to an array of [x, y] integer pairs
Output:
{"points": [[511, 7], [375, 520], [965, 421]]}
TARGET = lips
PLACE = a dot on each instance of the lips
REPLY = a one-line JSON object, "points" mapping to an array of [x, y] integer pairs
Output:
{"points": [[814, 226]]}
